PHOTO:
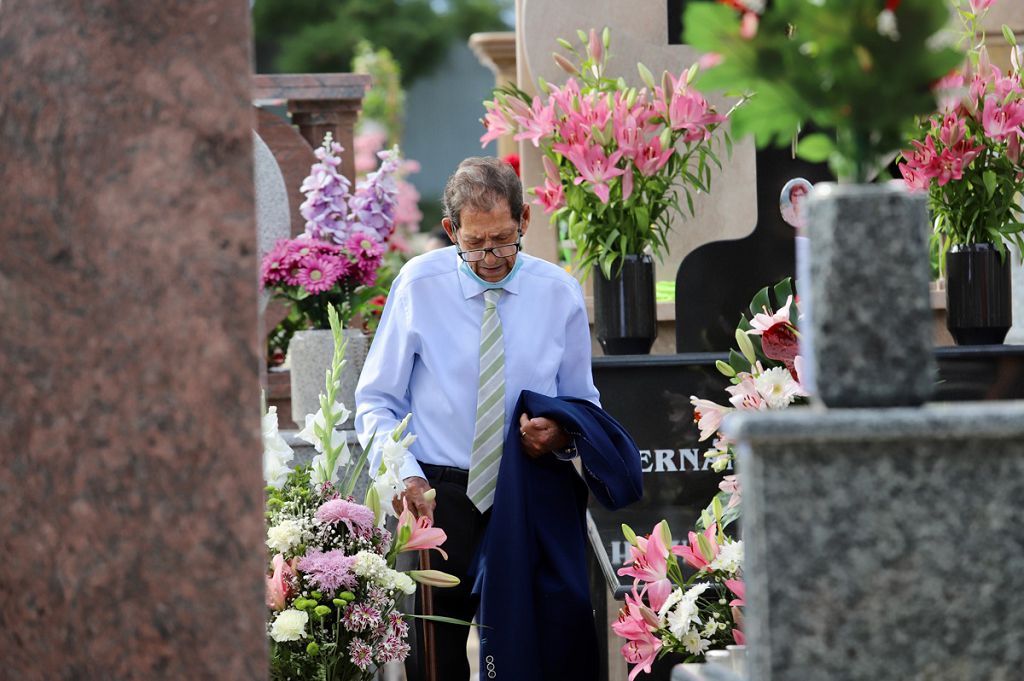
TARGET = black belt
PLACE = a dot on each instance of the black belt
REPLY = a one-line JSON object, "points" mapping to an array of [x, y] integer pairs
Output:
{"points": [[459, 476]]}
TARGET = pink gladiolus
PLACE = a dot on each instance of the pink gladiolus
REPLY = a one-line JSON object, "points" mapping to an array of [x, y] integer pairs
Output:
{"points": [[740, 589], [423, 535], [691, 552], [708, 416], [596, 168], [1002, 121], [278, 583]]}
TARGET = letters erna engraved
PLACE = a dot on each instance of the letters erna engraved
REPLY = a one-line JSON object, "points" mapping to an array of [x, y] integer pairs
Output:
{"points": [[674, 461]]}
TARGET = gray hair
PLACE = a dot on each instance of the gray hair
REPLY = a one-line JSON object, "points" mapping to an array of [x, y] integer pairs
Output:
{"points": [[482, 183]]}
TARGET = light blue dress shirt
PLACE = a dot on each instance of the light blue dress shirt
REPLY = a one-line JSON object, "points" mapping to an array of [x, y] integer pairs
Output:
{"points": [[424, 358]]}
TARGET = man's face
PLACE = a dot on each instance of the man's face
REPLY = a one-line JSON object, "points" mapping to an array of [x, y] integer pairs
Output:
{"points": [[487, 229]]}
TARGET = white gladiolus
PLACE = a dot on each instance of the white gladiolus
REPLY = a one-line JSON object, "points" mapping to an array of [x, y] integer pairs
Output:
{"points": [[276, 452]]}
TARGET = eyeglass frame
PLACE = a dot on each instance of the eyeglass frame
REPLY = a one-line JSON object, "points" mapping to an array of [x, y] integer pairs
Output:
{"points": [[462, 253]]}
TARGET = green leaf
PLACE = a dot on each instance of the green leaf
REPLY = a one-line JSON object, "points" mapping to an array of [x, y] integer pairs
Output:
{"points": [[1010, 228], [815, 148], [446, 620], [990, 180], [737, 362], [760, 302], [783, 290]]}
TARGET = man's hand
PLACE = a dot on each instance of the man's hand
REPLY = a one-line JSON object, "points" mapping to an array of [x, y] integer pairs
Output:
{"points": [[540, 436], [415, 488]]}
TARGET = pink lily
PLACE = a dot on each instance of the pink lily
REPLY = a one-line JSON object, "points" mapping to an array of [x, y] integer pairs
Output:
{"points": [[279, 583], [981, 5], [915, 180], [708, 416], [1002, 121], [641, 652], [497, 126], [538, 125], [738, 587], [564, 97], [730, 484], [691, 553], [763, 321], [648, 562], [745, 394], [635, 619], [423, 535], [596, 168], [652, 157]]}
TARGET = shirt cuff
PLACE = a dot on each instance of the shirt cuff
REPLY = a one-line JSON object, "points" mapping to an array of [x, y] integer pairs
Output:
{"points": [[569, 453], [411, 468]]}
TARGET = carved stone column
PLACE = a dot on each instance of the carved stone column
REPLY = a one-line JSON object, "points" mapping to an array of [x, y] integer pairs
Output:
{"points": [[497, 51], [319, 103]]}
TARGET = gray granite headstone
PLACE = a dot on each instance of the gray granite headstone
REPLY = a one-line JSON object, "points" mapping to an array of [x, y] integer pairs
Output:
{"points": [[272, 213], [1016, 334], [869, 339], [884, 543]]}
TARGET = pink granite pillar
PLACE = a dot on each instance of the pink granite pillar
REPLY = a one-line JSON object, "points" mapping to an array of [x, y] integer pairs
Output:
{"points": [[131, 520]]}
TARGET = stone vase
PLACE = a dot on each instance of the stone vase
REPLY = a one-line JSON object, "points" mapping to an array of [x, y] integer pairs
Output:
{"points": [[625, 312], [979, 307], [309, 355], [868, 339]]}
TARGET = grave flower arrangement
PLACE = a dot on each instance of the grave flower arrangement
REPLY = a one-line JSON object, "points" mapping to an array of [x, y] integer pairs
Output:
{"points": [[826, 64], [334, 263], [668, 612], [617, 159], [332, 590], [967, 156]]}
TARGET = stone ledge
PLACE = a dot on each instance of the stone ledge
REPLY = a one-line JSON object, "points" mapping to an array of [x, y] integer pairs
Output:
{"points": [[985, 420]]}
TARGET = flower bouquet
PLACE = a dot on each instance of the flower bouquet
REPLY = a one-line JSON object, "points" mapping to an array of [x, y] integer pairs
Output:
{"points": [[615, 157], [334, 263], [332, 591], [669, 613], [967, 156]]}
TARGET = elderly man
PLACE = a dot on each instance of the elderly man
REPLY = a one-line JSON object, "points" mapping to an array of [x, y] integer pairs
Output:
{"points": [[465, 330]]}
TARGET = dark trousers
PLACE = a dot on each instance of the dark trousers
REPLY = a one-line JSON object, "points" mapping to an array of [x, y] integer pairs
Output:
{"points": [[464, 525]]}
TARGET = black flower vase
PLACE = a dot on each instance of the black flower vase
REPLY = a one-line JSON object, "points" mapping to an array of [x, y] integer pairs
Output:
{"points": [[625, 317], [979, 307]]}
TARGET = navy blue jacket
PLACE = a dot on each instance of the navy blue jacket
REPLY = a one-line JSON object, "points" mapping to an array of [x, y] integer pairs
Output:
{"points": [[535, 609]]}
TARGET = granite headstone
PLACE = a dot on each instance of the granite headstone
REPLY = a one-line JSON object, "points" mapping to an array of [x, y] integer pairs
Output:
{"points": [[131, 520]]}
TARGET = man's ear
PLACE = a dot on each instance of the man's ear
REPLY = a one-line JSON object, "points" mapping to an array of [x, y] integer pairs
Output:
{"points": [[449, 228], [526, 217]]}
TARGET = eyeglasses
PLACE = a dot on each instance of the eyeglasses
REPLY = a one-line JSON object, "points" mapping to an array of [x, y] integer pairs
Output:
{"points": [[478, 254]]}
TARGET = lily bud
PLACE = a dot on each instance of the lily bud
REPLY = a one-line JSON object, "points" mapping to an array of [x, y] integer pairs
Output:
{"points": [[692, 72], [631, 96], [598, 135], [629, 534], [429, 494], [595, 47], [646, 76], [725, 369], [666, 85], [436, 578], [665, 138], [746, 347], [650, 618], [565, 64], [606, 37]]}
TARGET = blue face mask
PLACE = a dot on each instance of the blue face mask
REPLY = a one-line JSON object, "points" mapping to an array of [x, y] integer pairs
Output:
{"points": [[492, 284]]}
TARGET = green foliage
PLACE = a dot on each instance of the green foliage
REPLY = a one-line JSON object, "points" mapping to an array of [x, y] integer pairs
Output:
{"points": [[826, 64], [385, 101], [302, 36]]}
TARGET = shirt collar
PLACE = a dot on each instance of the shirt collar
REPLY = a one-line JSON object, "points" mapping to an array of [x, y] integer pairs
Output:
{"points": [[471, 287]]}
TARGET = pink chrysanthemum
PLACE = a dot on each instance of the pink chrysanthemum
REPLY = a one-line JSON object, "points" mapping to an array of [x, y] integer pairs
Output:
{"points": [[331, 571], [359, 617], [317, 273], [348, 512], [359, 653], [392, 650], [399, 627]]}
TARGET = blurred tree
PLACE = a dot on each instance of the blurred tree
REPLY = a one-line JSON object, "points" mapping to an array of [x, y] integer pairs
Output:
{"points": [[310, 36]]}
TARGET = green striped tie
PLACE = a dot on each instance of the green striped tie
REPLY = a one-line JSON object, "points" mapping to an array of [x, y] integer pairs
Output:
{"points": [[490, 407]]}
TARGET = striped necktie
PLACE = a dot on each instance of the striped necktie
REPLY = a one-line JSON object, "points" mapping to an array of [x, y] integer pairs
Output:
{"points": [[490, 407]]}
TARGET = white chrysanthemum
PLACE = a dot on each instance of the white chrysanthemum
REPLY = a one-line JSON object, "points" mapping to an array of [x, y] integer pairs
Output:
{"points": [[682, 616], [694, 644], [673, 598], [284, 535], [404, 583], [710, 629], [777, 387], [373, 567], [730, 558], [289, 625]]}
